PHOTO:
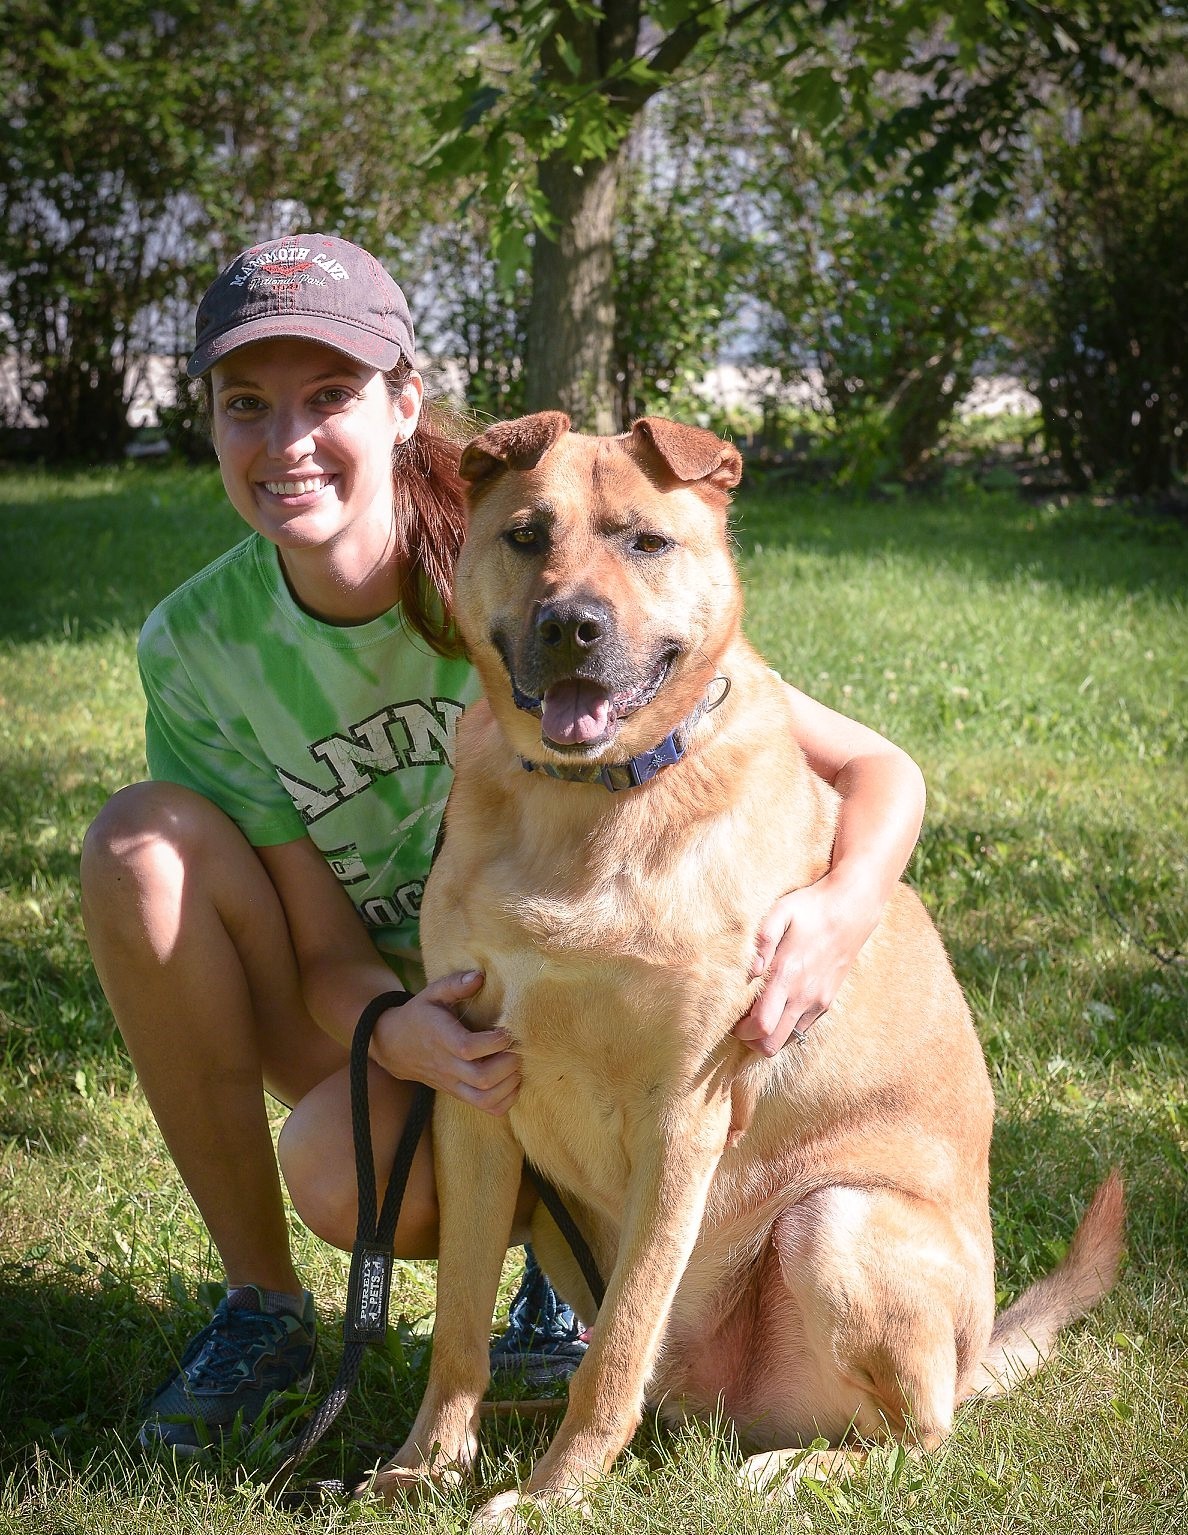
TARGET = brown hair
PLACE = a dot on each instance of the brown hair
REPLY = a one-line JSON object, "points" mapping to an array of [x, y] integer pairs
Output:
{"points": [[430, 503]]}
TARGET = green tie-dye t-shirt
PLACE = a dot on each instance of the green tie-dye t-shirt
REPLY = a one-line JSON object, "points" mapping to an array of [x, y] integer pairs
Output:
{"points": [[295, 727]]}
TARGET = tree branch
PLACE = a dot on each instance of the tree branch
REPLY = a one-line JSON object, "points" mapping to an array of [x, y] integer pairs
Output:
{"points": [[672, 51]]}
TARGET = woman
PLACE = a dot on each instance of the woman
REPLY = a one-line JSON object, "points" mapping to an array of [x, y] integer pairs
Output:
{"points": [[246, 902]]}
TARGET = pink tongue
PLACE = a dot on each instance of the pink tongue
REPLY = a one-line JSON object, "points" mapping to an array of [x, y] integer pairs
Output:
{"points": [[574, 713]]}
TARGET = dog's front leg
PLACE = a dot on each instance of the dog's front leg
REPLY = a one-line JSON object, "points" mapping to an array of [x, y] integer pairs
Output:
{"points": [[478, 1165], [673, 1162]]}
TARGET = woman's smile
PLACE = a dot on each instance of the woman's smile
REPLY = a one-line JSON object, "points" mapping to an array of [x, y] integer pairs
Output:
{"points": [[308, 486]]}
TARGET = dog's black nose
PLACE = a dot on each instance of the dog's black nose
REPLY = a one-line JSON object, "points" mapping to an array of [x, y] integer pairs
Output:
{"points": [[576, 625]]}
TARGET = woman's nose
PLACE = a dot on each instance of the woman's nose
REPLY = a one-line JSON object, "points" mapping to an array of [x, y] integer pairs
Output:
{"points": [[290, 434]]}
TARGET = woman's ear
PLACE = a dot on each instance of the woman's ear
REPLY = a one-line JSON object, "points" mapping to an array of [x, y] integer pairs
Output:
{"points": [[408, 406]]}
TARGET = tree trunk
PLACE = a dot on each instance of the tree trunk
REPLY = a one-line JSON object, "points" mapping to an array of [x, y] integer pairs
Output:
{"points": [[571, 318], [569, 361]]}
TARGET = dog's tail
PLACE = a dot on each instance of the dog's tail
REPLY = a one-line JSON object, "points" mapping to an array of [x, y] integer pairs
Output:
{"points": [[1024, 1334]]}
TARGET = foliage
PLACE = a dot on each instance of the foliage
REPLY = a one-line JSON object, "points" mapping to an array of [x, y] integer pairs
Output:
{"points": [[1030, 656], [681, 254], [895, 309], [541, 121], [479, 315], [966, 80], [1104, 330], [142, 145], [545, 165]]}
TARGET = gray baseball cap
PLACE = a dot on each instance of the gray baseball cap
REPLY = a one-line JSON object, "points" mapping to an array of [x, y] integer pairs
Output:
{"points": [[313, 286]]}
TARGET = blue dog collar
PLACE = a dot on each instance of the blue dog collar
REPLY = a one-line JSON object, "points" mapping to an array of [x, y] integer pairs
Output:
{"points": [[645, 765]]}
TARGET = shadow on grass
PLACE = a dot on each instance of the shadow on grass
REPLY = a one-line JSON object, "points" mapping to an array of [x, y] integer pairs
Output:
{"points": [[54, 1021], [59, 788], [1046, 1161], [1081, 546], [1086, 923], [74, 1360], [80, 1354]]}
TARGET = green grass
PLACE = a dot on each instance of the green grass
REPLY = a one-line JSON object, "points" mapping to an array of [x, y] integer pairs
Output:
{"points": [[1034, 658]]}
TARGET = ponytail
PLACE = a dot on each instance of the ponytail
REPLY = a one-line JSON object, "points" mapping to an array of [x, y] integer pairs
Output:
{"points": [[431, 523]]}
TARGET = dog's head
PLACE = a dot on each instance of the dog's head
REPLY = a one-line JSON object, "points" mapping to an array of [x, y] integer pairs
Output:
{"points": [[596, 591]]}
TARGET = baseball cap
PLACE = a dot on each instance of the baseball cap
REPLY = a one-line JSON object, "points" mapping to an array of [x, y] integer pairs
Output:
{"points": [[313, 286]]}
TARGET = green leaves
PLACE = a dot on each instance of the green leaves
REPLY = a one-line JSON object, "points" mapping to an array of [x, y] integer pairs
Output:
{"points": [[816, 100], [142, 145]]}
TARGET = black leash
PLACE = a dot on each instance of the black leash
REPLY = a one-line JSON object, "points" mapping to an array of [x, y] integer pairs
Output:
{"points": [[568, 1228], [369, 1283]]}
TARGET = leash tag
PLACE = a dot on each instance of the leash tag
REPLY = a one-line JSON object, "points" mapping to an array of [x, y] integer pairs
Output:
{"points": [[369, 1286]]}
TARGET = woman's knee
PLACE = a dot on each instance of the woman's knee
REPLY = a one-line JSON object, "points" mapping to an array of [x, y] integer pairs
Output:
{"points": [[316, 1183], [317, 1159], [145, 832]]}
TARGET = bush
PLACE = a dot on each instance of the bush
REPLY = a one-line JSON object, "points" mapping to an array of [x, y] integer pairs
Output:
{"points": [[1106, 341]]}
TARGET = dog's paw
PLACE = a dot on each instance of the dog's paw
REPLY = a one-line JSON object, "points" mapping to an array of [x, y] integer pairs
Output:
{"points": [[777, 1473], [409, 1484], [508, 1513], [517, 1513]]}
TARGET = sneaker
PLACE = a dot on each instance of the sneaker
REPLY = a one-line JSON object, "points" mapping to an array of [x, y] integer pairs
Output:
{"points": [[230, 1372], [544, 1340]]}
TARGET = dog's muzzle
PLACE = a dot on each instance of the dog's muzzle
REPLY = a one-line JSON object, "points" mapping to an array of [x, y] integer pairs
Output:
{"points": [[573, 672]]}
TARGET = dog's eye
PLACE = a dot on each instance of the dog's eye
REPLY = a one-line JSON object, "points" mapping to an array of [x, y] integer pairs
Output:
{"points": [[650, 543], [523, 537]]}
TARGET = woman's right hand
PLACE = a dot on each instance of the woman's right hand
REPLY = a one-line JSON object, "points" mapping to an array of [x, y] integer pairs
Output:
{"points": [[423, 1041]]}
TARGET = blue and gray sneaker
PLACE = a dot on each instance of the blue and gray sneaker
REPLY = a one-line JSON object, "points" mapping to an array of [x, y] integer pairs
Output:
{"points": [[543, 1341], [230, 1372]]}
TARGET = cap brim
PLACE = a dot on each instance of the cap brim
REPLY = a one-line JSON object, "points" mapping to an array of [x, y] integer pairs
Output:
{"points": [[364, 346]]}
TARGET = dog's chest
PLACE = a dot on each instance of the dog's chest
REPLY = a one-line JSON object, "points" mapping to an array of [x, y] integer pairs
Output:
{"points": [[665, 903]]}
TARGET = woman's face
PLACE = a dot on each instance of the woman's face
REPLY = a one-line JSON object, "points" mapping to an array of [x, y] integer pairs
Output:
{"points": [[304, 437]]}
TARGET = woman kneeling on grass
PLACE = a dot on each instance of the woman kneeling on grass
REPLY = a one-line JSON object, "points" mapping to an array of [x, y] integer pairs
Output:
{"points": [[246, 903]]}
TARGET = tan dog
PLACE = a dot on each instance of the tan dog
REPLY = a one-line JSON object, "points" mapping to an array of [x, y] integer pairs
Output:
{"points": [[803, 1242]]}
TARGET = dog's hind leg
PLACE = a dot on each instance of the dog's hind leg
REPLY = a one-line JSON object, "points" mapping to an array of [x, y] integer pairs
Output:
{"points": [[478, 1176], [893, 1306]]}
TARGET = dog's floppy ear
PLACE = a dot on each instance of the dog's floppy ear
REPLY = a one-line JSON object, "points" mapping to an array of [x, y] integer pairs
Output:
{"points": [[519, 444], [690, 453]]}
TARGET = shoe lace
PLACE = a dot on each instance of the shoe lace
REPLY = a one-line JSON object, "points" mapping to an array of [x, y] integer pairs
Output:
{"points": [[227, 1347], [538, 1311]]}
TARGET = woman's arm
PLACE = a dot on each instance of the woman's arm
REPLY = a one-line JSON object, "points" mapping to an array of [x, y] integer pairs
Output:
{"points": [[341, 971], [811, 937]]}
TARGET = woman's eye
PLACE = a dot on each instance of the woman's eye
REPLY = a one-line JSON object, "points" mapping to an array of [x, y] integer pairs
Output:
{"points": [[244, 404], [335, 396], [650, 543]]}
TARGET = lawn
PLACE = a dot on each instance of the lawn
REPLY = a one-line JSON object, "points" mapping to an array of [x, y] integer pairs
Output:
{"points": [[1033, 657]]}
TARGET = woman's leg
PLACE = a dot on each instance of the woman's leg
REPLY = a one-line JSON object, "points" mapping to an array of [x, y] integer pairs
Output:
{"points": [[190, 944], [192, 949]]}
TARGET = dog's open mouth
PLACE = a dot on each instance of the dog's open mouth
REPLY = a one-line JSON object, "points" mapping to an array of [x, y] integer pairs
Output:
{"points": [[578, 713]]}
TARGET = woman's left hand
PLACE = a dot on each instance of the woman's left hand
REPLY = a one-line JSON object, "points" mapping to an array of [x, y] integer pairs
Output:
{"points": [[805, 947]]}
